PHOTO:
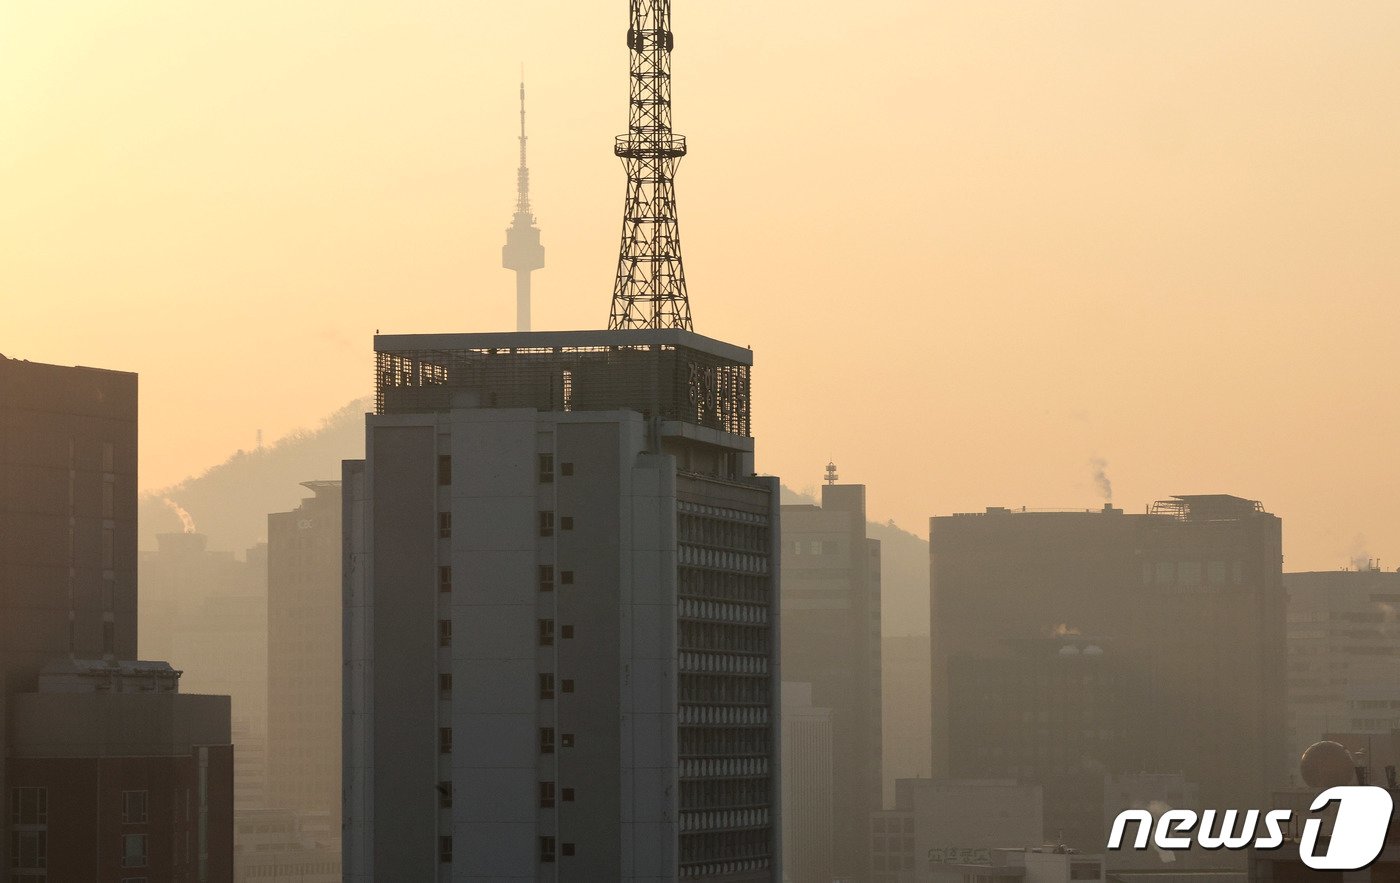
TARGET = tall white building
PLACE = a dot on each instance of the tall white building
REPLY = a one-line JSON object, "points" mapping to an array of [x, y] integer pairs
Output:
{"points": [[561, 622], [807, 786]]}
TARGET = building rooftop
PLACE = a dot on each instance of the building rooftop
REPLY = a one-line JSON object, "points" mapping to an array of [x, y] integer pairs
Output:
{"points": [[666, 373]]}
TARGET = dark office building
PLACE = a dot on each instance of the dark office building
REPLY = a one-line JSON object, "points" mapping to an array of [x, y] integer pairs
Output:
{"points": [[84, 729], [831, 640], [1070, 645]]}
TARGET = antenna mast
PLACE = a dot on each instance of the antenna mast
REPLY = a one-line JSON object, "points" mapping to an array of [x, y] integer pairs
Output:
{"points": [[649, 291], [522, 251]]}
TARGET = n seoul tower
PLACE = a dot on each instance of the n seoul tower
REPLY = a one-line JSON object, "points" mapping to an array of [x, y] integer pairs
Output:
{"points": [[522, 251]]}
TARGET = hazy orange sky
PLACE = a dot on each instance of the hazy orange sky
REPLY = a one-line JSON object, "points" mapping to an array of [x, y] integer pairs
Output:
{"points": [[973, 245]]}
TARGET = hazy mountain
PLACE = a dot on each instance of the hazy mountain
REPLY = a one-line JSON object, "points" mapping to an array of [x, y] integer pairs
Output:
{"points": [[230, 502]]}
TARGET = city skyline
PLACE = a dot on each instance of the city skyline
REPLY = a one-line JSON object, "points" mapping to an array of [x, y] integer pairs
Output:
{"points": [[1120, 231]]}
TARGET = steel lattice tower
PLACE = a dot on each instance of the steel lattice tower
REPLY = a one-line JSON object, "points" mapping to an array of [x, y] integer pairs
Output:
{"points": [[649, 291], [522, 251]]}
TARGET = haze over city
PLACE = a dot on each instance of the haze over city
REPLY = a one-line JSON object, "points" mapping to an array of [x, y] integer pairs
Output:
{"points": [[975, 247]]}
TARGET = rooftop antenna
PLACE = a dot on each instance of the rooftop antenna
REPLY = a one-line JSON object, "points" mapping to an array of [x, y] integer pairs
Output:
{"points": [[522, 251], [831, 476], [649, 289]]}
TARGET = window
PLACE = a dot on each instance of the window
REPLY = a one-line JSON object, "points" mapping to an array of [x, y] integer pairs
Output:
{"points": [[546, 633], [567, 631], [444, 686], [29, 806], [546, 740], [566, 469], [444, 525], [546, 524], [566, 523], [568, 795], [29, 850], [546, 468], [109, 548], [566, 577], [546, 794], [445, 849], [568, 685], [444, 633], [108, 500], [444, 740], [546, 577], [444, 469], [133, 807], [567, 740], [546, 849], [109, 638], [1188, 573], [133, 850], [445, 795], [568, 849], [1216, 573], [445, 578], [546, 686]]}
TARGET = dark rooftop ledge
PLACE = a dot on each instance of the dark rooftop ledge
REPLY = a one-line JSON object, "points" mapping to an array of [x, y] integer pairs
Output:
{"points": [[564, 340]]}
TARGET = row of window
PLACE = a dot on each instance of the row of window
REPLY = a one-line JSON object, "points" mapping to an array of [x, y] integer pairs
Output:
{"points": [[726, 793], [699, 743], [546, 526], [547, 849], [545, 469], [724, 586], [1191, 573], [723, 688], [546, 576], [726, 850], [546, 639]]}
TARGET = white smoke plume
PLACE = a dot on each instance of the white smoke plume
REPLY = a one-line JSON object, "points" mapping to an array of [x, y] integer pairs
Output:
{"points": [[186, 521]]}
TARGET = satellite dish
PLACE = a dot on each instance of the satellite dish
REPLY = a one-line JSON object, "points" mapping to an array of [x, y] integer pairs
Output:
{"points": [[1327, 764]]}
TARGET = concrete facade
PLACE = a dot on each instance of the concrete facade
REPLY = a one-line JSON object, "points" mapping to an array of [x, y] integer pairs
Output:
{"points": [[1184, 609], [807, 797], [107, 773], [304, 655], [1343, 671], [560, 635], [831, 608]]}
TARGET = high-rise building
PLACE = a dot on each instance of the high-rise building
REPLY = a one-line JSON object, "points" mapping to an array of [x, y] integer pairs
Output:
{"points": [[831, 617], [207, 609], [561, 623], [108, 772], [1100, 642], [807, 810], [303, 654], [1343, 674]]}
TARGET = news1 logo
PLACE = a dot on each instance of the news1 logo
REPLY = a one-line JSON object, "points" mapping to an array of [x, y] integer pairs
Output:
{"points": [[1358, 831]]}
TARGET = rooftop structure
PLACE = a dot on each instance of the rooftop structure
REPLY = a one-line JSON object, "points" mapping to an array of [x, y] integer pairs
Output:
{"points": [[666, 373], [649, 291]]}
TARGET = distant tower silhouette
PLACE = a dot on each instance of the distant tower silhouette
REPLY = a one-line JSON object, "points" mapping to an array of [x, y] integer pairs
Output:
{"points": [[831, 476], [522, 251], [649, 291]]}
